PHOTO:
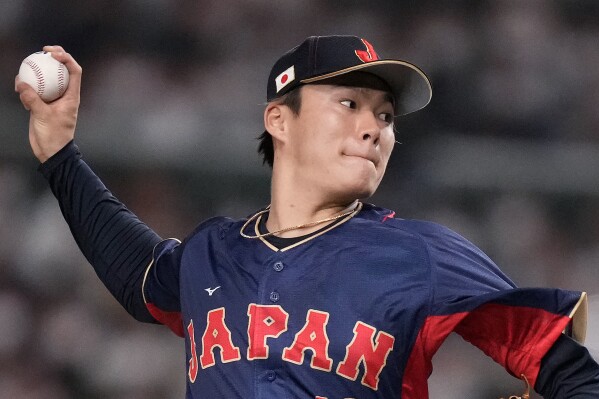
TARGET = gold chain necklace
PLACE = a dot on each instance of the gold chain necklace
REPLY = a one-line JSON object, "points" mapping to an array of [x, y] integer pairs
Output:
{"points": [[300, 226], [526, 394]]}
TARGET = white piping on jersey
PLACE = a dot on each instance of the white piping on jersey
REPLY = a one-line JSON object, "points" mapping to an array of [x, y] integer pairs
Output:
{"points": [[579, 316], [143, 283]]}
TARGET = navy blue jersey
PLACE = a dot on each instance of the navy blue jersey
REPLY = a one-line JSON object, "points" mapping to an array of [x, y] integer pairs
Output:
{"points": [[356, 311], [360, 307]]}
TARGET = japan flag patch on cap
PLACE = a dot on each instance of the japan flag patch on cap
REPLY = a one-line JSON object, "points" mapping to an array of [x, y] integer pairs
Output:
{"points": [[286, 77]]}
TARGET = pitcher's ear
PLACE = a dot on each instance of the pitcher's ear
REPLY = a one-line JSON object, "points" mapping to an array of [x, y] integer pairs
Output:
{"points": [[275, 115]]}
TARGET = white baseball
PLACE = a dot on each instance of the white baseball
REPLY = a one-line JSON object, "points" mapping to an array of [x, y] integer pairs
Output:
{"points": [[48, 76]]}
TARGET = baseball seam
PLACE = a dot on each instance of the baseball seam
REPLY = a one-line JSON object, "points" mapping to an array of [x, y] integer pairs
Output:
{"points": [[61, 87], [41, 85]]}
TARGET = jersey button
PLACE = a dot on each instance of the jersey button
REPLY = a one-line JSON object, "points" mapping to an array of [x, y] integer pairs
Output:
{"points": [[278, 266], [271, 376], [274, 296]]}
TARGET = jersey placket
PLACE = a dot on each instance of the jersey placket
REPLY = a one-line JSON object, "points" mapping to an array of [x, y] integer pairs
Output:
{"points": [[270, 321]]}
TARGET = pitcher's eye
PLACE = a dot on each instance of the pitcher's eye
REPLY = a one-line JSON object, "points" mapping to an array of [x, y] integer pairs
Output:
{"points": [[386, 116], [349, 103]]}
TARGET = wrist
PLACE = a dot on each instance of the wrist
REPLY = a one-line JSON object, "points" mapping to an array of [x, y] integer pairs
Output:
{"points": [[45, 152], [67, 151]]}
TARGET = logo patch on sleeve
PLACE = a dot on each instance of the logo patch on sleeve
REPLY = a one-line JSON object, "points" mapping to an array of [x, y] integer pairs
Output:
{"points": [[286, 77]]}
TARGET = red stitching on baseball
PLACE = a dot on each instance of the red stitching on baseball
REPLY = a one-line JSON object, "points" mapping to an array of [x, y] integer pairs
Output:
{"points": [[61, 87], [38, 75]]}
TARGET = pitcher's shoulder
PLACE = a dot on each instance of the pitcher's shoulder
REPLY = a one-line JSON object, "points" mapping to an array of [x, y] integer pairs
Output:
{"points": [[389, 218]]}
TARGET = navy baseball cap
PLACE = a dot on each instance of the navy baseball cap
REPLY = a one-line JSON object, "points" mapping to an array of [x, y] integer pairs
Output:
{"points": [[322, 57]]}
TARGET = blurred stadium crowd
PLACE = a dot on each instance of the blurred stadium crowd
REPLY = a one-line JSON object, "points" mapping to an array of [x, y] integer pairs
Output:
{"points": [[507, 154]]}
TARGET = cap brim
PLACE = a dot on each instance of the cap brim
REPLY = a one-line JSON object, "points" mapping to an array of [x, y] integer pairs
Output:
{"points": [[411, 87]]}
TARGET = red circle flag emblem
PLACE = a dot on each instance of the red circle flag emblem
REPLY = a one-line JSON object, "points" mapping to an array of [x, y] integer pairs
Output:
{"points": [[285, 77]]}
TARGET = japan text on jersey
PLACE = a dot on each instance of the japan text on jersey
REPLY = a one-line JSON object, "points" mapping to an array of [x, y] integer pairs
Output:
{"points": [[355, 312]]}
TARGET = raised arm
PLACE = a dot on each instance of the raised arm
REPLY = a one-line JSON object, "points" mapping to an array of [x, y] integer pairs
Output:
{"points": [[116, 243], [52, 125]]}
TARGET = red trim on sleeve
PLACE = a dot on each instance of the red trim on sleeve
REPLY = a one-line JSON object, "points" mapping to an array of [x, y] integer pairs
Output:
{"points": [[172, 320], [419, 367], [515, 337]]}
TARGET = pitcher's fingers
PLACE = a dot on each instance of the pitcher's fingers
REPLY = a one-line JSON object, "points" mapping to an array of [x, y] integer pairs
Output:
{"points": [[21, 86], [17, 81], [29, 97], [74, 69], [53, 49]]}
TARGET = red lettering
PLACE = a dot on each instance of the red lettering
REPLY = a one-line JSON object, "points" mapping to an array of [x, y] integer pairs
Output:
{"points": [[367, 55], [362, 349], [264, 321], [312, 336], [217, 334], [193, 362]]}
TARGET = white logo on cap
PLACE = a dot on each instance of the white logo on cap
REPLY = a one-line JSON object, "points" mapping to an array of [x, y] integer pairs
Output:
{"points": [[286, 77]]}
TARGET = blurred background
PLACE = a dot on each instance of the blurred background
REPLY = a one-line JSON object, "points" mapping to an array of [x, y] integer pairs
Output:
{"points": [[507, 154]]}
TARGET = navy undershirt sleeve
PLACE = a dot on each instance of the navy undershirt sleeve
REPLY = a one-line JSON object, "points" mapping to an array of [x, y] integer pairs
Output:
{"points": [[568, 371], [114, 241]]}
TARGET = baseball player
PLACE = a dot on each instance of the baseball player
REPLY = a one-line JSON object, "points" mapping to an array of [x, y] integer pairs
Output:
{"points": [[319, 295]]}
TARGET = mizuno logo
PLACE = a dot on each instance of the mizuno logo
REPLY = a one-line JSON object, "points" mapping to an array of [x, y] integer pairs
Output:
{"points": [[210, 291]]}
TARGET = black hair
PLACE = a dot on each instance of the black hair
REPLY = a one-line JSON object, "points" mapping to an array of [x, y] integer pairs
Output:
{"points": [[293, 100]]}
